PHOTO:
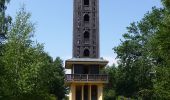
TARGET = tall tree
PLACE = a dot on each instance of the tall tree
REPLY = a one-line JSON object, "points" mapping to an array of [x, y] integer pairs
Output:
{"points": [[4, 24], [134, 54], [22, 59], [17, 49], [58, 82], [52, 78], [144, 57], [110, 88], [30, 73], [161, 50]]}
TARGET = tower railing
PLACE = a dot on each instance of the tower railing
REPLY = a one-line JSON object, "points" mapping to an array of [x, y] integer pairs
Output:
{"points": [[86, 78]]}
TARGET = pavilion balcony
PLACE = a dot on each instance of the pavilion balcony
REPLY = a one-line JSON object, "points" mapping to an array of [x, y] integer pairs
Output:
{"points": [[86, 78]]}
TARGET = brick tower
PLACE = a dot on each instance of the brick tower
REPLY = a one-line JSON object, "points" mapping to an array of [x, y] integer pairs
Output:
{"points": [[85, 81]]}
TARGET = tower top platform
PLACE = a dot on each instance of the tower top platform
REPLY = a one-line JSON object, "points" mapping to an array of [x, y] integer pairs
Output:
{"points": [[85, 61]]}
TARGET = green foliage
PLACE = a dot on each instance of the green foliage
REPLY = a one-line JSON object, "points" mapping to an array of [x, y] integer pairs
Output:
{"points": [[143, 70], [109, 95], [22, 59], [4, 25], [166, 4], [133, 54], [109, 89], [161, 51], [58, 81], [29, 73], [52, 78]]}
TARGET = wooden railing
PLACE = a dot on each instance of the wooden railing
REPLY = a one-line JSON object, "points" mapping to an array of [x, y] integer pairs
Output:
{"points": [[86, 78]]}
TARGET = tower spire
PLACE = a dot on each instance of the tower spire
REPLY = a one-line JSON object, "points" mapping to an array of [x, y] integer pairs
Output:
{"points": [[86, 29]]}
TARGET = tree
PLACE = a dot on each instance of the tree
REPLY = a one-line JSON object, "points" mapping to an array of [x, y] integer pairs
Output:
{"points": [[144, 57], [136, 56], [161, 50], [110, 88], [30, 73], [22, 59], [58, 82], [4, 24], [15, 60], [52, 78], [135, 59]]}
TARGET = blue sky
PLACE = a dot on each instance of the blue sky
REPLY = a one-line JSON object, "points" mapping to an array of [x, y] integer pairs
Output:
{"points": [[54, 20]]}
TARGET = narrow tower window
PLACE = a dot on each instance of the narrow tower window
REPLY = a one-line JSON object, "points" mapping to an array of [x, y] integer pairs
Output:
{"points": [[86, 53], [86, 18], [86, 35], [86, 2]]}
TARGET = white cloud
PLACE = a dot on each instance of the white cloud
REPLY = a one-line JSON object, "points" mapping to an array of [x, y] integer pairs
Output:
{"points": [[111, 60], [67, 71]]}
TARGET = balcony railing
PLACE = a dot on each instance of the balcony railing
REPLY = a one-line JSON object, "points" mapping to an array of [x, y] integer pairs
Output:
{"points": [[86, 78]]}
